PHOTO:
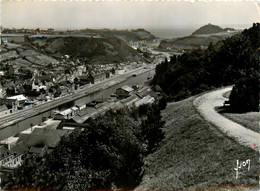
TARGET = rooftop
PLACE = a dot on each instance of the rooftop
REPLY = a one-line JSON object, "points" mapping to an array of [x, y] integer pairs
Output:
{"points": [[66, 112], [127, 88], [18, 97]]}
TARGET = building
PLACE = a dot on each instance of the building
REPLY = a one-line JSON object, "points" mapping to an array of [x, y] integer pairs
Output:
{"points": [[9, 103], [145, 100], [11, 156], [42, 140], [85, 79], [124, 91], [80, 104], [129, 101], [19, 99], [67, 114]]}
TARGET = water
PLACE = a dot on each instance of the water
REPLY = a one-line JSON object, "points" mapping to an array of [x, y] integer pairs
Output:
{"points": [[181, 31], [168, 33]]}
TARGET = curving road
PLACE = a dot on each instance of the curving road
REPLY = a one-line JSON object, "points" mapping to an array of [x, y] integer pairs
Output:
{"points": [[205, 105]]}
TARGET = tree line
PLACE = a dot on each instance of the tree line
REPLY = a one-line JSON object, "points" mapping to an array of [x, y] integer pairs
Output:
{"points": [[221, 64], [107, 154]]}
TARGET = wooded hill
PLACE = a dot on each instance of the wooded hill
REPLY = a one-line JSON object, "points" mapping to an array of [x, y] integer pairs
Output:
{"points": [[219, 65]]}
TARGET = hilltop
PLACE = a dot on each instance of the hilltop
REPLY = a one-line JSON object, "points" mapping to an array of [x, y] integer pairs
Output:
{"points": [[93, 45], [125, 35], [218, 65], [211, 29], [199, 38], [95, 50]]}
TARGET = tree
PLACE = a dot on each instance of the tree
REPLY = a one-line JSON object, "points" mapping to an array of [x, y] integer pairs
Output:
{"points": [[162, 104], [113, 71], [244, 96], [108, 151], [221, 64], [152, 126]]}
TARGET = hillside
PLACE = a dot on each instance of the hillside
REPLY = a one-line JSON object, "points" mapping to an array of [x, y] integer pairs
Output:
{"points": [[125, 35], [191, 42], [199, 38], [217, 65], [211, 29], [101, 50], [195, 154]]}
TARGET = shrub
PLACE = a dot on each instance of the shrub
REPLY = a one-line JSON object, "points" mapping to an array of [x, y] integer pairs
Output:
{"points": [[244, 96]]}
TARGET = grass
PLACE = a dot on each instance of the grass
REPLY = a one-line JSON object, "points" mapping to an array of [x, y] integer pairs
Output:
{"points": [[196, 155], [249, 120], [227, 94]]}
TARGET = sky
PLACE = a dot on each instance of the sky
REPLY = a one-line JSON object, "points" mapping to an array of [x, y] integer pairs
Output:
{"points": [[125, 14]]}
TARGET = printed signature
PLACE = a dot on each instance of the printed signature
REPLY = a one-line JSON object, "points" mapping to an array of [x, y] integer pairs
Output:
{"points": [[241, 165]]}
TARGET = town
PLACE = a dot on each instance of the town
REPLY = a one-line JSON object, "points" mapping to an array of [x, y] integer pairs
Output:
{"points": [[31, 80]]}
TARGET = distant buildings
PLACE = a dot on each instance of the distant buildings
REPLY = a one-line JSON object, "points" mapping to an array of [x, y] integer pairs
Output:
{"points": [[124, 92], [13, 102], [91, 78], [67, 114]]}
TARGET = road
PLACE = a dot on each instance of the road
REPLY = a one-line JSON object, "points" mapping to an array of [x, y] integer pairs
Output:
{"points": [[26, 113], [206, 103]]}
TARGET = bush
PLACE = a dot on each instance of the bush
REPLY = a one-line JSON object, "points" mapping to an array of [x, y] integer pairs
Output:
{"points": [[108, 152], [162, 104], [244, 96]]}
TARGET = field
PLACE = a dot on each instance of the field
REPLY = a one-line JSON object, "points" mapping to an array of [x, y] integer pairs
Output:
{"points": [[196, 155], [8, 55], [249, 120], [227, 94], [22, 56]]}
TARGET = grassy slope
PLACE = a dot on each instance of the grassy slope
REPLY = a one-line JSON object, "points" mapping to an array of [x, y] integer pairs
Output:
{"points": [[249, 120], [227, 94], [103, 50], [195, 154]]}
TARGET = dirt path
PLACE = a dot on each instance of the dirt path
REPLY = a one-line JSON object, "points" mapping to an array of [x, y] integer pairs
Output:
{"points": [[205, 105]]}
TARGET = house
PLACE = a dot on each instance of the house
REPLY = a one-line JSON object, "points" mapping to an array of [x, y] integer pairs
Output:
{"points": [[11, 104], [124, 91], [67, 114], [86, 79], [8, 164], [20, 99], [44, 79], [11, 154], [37, 87], [144, 91], [100, 77], [91, 78], [42, 140], [59, 90], [80, 104]]}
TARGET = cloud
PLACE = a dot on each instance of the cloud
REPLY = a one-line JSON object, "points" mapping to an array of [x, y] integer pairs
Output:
{"points": [[76, 14]]}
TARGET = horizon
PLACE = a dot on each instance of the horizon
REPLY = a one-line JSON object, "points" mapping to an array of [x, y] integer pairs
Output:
{"points": [[163, 33], [126, 15]]}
